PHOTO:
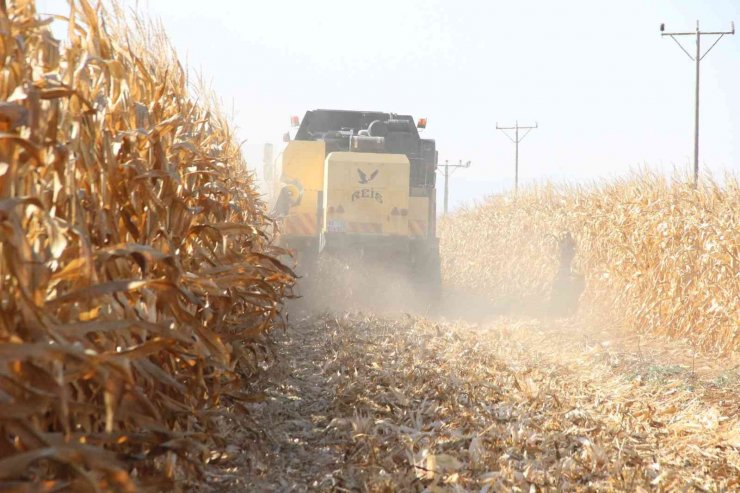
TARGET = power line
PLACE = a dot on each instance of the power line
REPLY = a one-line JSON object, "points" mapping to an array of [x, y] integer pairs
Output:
{"points": [[516, 139], [447, 167], [697, 58]]}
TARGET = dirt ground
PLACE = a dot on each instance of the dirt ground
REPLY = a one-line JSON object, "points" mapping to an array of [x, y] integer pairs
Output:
{"points": [[354, 402]]}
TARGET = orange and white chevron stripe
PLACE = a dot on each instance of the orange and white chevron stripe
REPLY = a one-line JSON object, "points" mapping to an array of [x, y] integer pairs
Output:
{"points": [[417, 228], [300, 224], [365, 228]]}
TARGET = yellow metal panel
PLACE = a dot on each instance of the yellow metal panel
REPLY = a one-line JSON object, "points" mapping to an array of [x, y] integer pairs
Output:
{"points": [[366, 193], [304, 161], [418, 216], [302, 167]]}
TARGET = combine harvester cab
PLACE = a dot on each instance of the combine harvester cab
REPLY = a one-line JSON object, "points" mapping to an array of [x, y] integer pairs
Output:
{"points": [[360, 186]]}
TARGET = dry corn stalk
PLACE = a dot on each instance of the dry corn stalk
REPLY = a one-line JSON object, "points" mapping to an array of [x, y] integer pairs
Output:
{"points": [[136, 277], [662, 256]]}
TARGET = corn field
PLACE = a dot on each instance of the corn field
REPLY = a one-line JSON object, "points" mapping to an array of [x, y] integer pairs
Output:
{"points": [[140, 282], [136, 275], [657, 255]]}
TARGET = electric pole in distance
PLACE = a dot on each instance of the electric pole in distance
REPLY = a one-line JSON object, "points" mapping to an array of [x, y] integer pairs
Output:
{"points": [[447, 167], [516, 139], [697, 58]]}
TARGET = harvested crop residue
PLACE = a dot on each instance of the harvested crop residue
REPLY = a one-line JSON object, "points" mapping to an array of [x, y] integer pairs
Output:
{"points": [[367, 404]]}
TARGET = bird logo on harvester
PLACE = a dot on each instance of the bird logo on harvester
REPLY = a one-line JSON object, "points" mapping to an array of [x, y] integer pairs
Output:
{"points": [[364, 178], [367, 193]]}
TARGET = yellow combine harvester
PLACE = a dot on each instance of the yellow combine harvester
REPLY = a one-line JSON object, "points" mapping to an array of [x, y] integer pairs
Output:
{"points": [[359, 184]]}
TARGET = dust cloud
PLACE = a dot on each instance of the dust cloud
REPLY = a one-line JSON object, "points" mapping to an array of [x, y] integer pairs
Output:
{"points": [[340, 285], [336, 284]]}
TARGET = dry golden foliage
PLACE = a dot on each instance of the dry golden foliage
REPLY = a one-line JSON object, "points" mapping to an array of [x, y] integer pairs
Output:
{"points": [[361, 403], [136, 277], [662, 256]]}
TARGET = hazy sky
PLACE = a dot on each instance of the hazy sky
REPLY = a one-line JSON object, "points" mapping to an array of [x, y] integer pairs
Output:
{"points": [[608, 93]]}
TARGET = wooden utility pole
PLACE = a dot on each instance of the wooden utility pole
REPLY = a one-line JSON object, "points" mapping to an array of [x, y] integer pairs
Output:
{"points": [[447, 167], [697, 58], [516, 139]]}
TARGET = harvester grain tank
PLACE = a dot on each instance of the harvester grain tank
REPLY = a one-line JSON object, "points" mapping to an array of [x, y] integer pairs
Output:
{"points": [[360, 184]]}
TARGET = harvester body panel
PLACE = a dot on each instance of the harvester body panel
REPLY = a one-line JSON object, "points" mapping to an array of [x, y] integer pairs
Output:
{"points": [[302, 176], [418, 221], [366, 194]]}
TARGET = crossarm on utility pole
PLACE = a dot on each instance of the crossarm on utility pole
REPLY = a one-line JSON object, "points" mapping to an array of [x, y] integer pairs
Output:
{"points": [[529, 129], [673, 37], [713, 45]]}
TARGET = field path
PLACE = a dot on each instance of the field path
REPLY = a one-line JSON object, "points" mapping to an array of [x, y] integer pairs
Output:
{"points": [[358, 403]]}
